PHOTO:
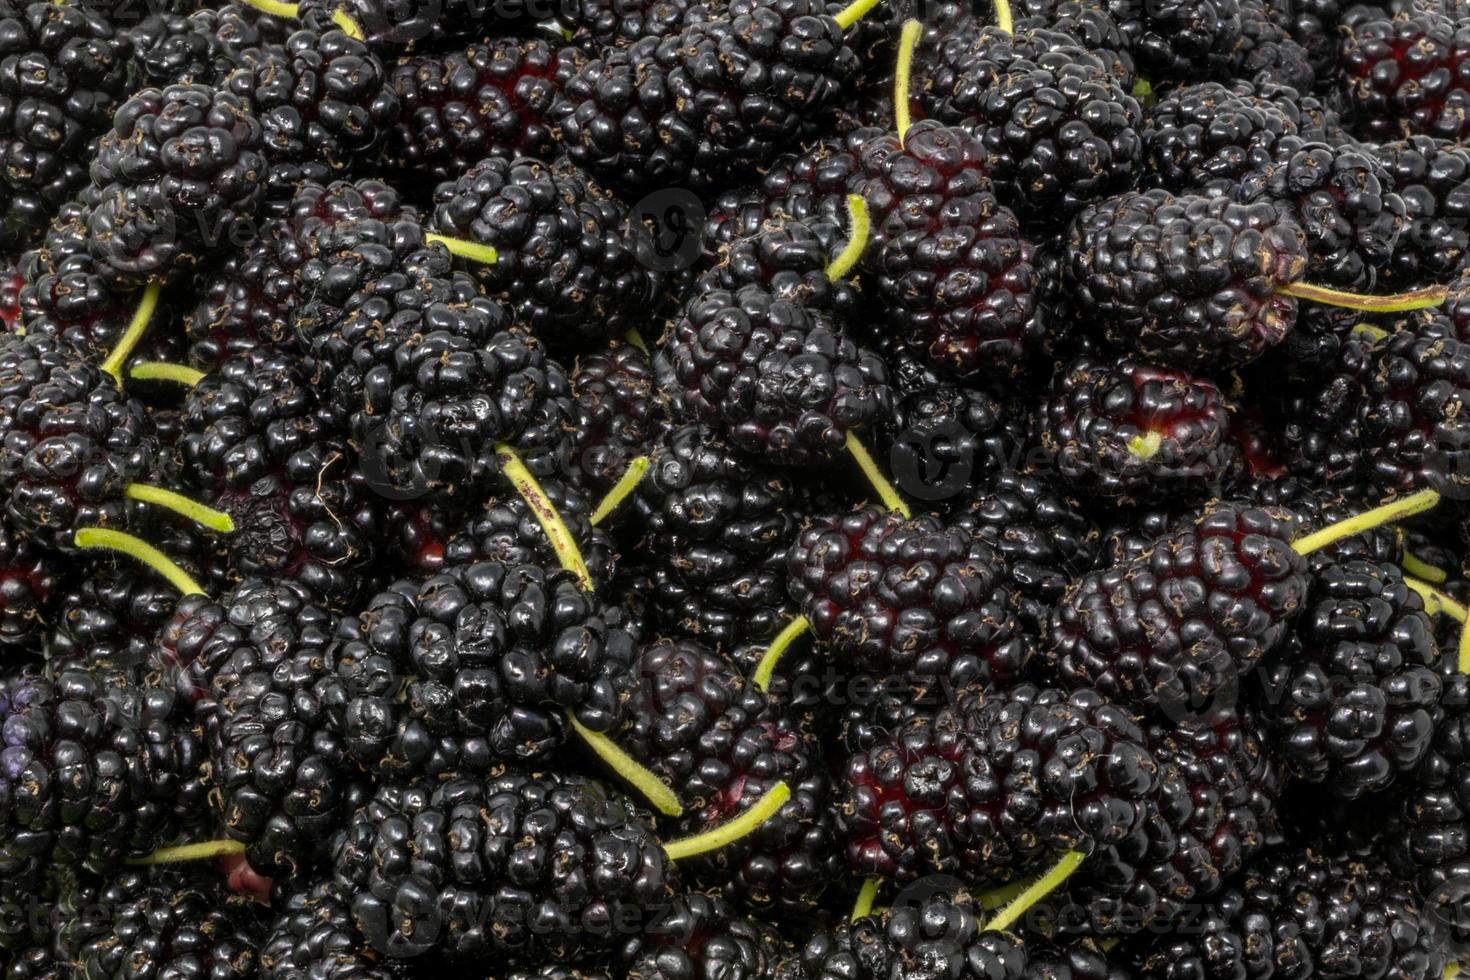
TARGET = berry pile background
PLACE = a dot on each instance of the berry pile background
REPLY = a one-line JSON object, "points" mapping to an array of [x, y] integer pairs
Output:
{"points": [[734, 490]]}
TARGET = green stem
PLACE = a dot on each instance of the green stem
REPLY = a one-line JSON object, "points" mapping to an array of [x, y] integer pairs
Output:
{"points": [[853, 12], [1437, 602], [104, 538], [778, 647], [346, 24], [276, 8], [556, 530], [1415, 299], [636, 339], [1036, 891], [731, 830], [215, 520], [165, 371], [189, 852], [474, 251], [857, 239], [875, 476], [137, 327], [1416, 503], [626, 484], [1421, 569], [620, 762], [902, 73], [864, 904], [1003, 18]]}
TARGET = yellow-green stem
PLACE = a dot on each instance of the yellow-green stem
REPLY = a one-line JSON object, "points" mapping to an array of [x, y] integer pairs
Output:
{"points": [[864, 904], [1003, 16], [556, 530], [636, 339], [133, 547], [202, 851], [778, 647], [1416, 503], [346, 24], [1462, 662], [908, 39], [1036, 891], [853, 12], [626, 484], [215, 520], [466, 249], [1375, 334], [165, 371], [857, 239], [1005, 894], [1421, 569], [732, 830], [1437, 602], [885, 490], [653, 789], [1415, 299], [137, 327], [276, 8]]}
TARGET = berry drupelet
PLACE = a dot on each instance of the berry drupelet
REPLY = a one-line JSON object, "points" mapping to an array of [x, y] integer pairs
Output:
{"points": [[948, 436], [1042, 535], [1344, 200], [1176, 626], [1213, 809], [106, 621], [177, 924], [701, 935], [996, 785], [323, 99], [179, 168], [779, 377], [920, 597], [705, 729], [1059, 132], [718, 530], [1189, 280], [204, 46], [525, 868], [502, 97], [1405, 75], [73, 441], [1427, 835], [1349, 700], [63, 71], [247, 300], [1211, 131], [313, 935], [477, 665], [720, 95], [283, 778], [613, 390], [564, 259], [953, 267], [255, 445], [1131, 430], [1180, 40], [1296, 912], [30, 582], [932, 934], [1431, 176], [95, 773]]}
